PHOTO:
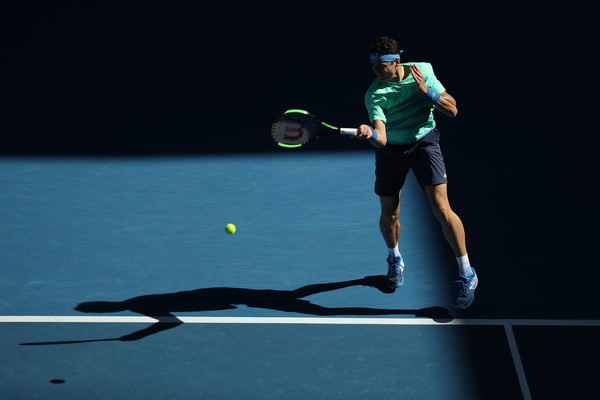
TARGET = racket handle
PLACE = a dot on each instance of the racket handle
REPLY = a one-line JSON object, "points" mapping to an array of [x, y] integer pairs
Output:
{"points": [[351, 131], [347, 131]]}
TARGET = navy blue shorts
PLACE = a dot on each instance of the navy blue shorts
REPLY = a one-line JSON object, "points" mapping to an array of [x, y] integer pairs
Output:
{"points": [[424, 157]]}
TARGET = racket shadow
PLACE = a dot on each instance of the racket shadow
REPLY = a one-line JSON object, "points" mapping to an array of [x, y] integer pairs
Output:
{"points": [[162, 306]]}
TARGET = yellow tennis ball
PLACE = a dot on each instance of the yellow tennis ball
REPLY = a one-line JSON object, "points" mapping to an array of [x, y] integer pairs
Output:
{"points": [[230, 229]]}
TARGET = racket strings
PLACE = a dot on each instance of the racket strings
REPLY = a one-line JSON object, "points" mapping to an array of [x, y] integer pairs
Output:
{"points": [[294, 129]]}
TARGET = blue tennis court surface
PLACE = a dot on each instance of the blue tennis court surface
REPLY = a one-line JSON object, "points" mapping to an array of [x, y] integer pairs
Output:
{"points": [[238, 361], [149, 232], [141, 243], [112, 229]]}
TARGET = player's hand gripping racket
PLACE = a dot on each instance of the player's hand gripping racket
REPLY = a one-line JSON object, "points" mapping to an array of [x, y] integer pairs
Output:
{"points": [[294, 127]]}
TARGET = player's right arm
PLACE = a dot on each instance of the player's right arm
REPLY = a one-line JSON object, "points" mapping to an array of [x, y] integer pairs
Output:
{"points": [[364, 132]]}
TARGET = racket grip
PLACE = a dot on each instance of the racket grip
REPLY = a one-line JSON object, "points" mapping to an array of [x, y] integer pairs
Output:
{"points": [[347, 131]]}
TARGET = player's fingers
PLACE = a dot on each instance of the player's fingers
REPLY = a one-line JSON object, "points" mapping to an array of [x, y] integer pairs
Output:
{"points": [[415, 70], [360, 132], [362, 135]]}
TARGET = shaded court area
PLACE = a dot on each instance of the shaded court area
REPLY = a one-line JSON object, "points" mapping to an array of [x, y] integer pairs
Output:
{"points": [[242, 361]]}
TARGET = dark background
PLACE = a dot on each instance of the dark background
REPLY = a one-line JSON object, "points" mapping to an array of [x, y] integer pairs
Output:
{"points": [[106, 79]]}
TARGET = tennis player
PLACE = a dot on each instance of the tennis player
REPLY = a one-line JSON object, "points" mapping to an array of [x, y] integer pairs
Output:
{"points": [[400, 103]]}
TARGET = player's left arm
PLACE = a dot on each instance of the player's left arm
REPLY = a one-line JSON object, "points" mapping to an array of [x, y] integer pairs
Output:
{"points": [[443, 101]]}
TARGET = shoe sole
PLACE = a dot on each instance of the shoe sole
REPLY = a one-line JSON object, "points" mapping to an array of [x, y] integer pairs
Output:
{"points": [[395, 285]]}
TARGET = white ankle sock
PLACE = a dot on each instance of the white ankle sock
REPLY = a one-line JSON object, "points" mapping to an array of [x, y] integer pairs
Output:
{"points": [[464, 267], [394, 252]]}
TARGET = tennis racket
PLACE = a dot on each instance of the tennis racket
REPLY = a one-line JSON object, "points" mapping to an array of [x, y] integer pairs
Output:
{"points": [[294, 127]]}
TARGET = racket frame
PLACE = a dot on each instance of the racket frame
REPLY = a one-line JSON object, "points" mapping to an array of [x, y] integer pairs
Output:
{"points": [[341, 131]]}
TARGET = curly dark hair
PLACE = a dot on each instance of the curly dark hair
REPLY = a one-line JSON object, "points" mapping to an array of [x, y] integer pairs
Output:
{"points": [[385, 45]]}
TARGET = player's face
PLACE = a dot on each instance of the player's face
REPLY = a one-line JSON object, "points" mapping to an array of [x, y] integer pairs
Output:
{"points": [[384, 70]]}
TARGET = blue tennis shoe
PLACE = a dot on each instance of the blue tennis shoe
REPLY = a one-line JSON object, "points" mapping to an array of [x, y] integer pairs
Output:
{"points": [[395, 279], [465, 290]]}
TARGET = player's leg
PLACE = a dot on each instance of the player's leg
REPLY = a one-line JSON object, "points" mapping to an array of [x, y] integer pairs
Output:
{"points": [[454, 232], [389, 224], [430, 169], [452, 226], [391, 169]]}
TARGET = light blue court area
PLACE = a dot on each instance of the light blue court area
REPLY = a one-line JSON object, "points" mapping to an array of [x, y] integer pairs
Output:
{"points": [[144, 237], [77, 230]]}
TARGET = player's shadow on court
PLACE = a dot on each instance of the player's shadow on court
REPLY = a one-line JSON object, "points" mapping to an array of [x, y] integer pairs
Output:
{"points": [[161, 306]]}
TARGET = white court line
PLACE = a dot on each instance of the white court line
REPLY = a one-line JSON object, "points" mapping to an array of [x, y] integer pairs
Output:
{"points": [[514, 351], [295, 320]]}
